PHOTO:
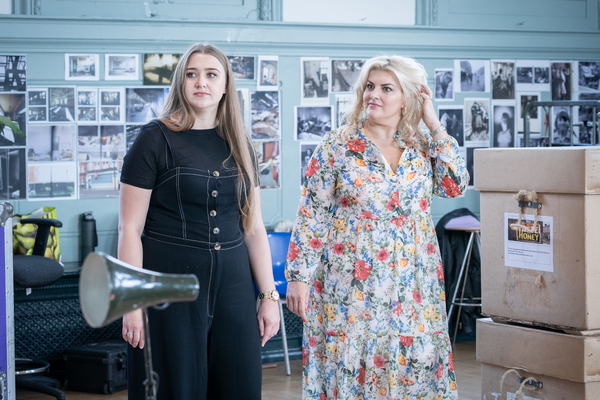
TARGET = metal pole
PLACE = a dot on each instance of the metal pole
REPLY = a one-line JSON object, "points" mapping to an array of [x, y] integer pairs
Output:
{"points": [[462, 270], [150, 383], [594, 110], [571, 124]]}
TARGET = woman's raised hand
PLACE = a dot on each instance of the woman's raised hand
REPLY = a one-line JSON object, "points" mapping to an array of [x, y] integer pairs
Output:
{"points": [[428, 115]]}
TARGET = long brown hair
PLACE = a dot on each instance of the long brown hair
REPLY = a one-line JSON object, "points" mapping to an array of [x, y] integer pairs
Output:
{"points": [[178, 115], [411, 75]]}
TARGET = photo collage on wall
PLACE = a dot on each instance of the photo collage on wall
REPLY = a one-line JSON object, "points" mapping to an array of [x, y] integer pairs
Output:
{"points": [[496, 94]]}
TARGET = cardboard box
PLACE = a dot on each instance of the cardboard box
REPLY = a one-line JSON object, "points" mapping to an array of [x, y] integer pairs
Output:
{"points": [[533, 350], [565, 295], [552, 388]]}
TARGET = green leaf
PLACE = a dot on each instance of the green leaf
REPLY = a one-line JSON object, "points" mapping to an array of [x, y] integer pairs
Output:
{"points": [[4, 121]]}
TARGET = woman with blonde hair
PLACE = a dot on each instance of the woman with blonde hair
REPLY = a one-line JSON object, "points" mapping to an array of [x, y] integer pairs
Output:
{"points": [[364, 266], [190, 204]]}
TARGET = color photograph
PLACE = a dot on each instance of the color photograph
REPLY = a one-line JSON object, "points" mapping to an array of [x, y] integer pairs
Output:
{"points": [[242, 67], [264, 112], [158, 68], [121, 67], [267, 73], [269, 166], [13, 106]]}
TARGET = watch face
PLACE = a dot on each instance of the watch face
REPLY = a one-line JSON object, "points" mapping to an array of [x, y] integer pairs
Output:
{"points": [[275, 295]]}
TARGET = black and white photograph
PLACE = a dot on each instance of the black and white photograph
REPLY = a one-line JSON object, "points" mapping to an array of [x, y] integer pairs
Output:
{"points": [[503, 80], [535, 118], [269, 164], [477, 122], [264, 113], [87, 114], [561, 126], [51, 143], [111, 104], [13, 174], [131, 133], [312, 123], [586, 114], [121, 67], [62, 104], [82, 67], [12, 106], [268, 78], [535, 140], [144, 104], [525, 75], [561, 73], [452, 118], [504, 125], [158, 68], [469, 161], [13, 73], [37, 114], [541, 75], [87, 104], [55, 181], [314, 82], [342, 104], [242, 67], [344, 74], [244, 99], [306, 152], [37, 97], [474, 75], [112, 142], [444, 85], [99, 179], [588, 79], [532, 75], [110, 114], [88, 143]]}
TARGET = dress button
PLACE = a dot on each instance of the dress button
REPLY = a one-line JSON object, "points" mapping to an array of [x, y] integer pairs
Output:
{"points": [[217, 246], [213, 213], [215, 173], [215, 193], [216, 231]]}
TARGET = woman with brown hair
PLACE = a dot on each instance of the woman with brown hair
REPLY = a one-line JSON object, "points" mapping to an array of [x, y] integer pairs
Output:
{"points": [[190, 203]]}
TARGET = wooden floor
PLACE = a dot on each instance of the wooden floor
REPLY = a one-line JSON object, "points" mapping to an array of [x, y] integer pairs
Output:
{"points": [[278, 386]]}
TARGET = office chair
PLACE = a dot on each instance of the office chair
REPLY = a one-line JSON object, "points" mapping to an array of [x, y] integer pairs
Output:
{"points": [[36, 271]]}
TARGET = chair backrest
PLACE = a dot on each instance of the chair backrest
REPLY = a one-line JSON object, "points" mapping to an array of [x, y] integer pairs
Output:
{"points": [[279, 243]]}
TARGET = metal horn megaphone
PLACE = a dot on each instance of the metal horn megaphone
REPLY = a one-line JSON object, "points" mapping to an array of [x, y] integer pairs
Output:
{"points": [[109, 288]]}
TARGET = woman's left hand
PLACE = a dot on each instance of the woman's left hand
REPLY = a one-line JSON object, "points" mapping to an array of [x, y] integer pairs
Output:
{"points": [[268, 319], [428, 116]]}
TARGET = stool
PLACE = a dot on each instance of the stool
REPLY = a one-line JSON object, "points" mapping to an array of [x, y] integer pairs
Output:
{"points": [[466, 224]]}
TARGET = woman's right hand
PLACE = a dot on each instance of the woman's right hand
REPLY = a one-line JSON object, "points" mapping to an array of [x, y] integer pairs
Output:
{"points": [[133, 324], [297, 295]]}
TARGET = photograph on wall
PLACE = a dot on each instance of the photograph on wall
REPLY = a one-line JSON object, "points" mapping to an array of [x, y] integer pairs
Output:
{"points": [[267, 73], [244, 99], [144, 104], [314, 80], [342, 103], [528, 244], [344, 74], [99, 179], [13, 174], [533, 75], [306, 152], [121, 67], [504, 124], [561, 80], [469, 162], [131, 133], [474, 75], [587, 77], [535, 117], [503, 80], [535, 140], [444, 87], [312, 123], [264, 113], [37, 105], [477, 122], [158, 68], [111, 104], [584, 125], [51, 143], [12, 106], [87, 104], [242, 67], [13, 73], [452, 118], [88, 143], [62, 104], [269, 165], [112, 142], [82, 67], [561, 126], [52, 181]]}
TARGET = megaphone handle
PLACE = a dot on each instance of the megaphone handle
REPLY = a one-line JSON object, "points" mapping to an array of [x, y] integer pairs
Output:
{"points": [[151, 381]]}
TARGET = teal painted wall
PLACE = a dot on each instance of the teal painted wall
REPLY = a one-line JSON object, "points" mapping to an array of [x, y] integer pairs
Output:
{"points": [[465, 29]]}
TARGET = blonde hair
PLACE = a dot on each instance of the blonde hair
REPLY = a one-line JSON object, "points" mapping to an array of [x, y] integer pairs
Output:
{"points": [[411, 75], [178, 115]]}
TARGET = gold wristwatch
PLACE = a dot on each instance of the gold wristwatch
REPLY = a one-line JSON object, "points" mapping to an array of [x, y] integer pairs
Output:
{"points": [[273, 295]]}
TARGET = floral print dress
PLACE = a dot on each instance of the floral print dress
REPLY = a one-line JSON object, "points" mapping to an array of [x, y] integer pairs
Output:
{"points": [[365, 242]]}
